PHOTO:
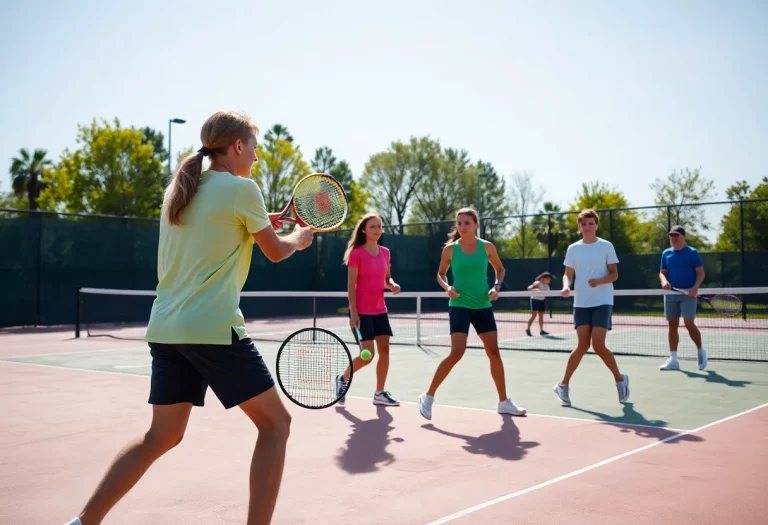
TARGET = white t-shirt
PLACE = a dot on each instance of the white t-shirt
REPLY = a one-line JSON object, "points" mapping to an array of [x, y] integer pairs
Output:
{"points": [[590, 261], [543, 287]]}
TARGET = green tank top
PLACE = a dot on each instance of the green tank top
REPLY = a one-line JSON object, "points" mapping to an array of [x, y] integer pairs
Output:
{"points": [[470, 277]]}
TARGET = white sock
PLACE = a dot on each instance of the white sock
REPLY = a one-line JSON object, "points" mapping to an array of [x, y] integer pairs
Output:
{"points": [[673, 355], [75, 521]]}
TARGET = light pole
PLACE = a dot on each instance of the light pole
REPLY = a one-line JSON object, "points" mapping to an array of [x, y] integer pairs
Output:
{"points": [[171, 121], [483, 175]]}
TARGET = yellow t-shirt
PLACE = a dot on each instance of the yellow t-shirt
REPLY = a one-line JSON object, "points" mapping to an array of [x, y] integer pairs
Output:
{"points": [[202, 264]]}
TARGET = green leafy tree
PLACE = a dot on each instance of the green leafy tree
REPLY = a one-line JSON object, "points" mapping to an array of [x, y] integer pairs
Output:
{"points": [[677, 196], [621, 228], [280, 166], [392, 177], [28, 172], [326, 162], [114, 171], [755, 219]]}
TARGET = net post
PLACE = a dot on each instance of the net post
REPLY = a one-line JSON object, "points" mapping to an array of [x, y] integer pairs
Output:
{"points": [[77, 313], [418, 320]]}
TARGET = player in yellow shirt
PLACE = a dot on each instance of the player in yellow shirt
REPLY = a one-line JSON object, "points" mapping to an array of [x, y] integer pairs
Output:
{"points": [[210, 221]]}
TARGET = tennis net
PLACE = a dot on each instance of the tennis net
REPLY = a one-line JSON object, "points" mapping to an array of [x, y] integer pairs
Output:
{"points": [[421, 319]]}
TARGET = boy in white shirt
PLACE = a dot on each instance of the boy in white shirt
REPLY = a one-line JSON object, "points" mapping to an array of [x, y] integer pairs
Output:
{"points": [[594, 261]]}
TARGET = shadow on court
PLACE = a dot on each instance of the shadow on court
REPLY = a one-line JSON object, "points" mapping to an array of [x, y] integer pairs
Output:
{"points": [[366, 447], [503, 444], [710, 376], [631, 416]]}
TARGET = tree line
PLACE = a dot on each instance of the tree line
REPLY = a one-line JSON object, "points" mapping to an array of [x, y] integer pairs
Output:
{"points": [[122, 171]]}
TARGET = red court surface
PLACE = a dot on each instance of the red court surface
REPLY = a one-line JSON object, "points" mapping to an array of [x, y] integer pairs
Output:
{"points": [[368, 465]]}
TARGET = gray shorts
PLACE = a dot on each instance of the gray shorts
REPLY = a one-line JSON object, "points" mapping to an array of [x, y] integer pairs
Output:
{"points": [[595, 316], [678, 305]]}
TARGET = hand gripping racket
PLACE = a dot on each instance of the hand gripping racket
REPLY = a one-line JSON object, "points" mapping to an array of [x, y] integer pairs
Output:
{"points": [[308, 364], [318, 201], [725, 304]]}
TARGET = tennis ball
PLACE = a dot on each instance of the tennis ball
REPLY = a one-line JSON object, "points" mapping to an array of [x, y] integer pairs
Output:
{"points": [[366, 355]]}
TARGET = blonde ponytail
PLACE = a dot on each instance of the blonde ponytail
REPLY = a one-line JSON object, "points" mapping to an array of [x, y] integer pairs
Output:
{"points": [[184, 186]]}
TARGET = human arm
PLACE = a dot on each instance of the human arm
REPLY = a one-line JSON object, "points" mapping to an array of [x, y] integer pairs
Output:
{"points": [[251, 212], [354, 318], [390, 283], [700, 275], [663, 279], [567, 278], [611, 262], [442, 272], [534, 286], [498, 267]]}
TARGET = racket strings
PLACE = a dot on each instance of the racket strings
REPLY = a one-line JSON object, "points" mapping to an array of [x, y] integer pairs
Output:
{"points": [[726, 304], [308, 367], [320, 203]]}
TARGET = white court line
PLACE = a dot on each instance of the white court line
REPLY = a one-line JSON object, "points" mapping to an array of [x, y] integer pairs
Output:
{"points": [[564, 477], [122, 367], [454, 407], [78, 352]]}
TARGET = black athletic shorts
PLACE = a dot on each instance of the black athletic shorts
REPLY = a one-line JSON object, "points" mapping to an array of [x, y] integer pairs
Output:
{"points": [[181, 373]]}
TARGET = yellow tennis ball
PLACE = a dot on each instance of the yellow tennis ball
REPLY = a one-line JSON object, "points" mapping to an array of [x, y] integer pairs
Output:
{"points": [[366, 355]]}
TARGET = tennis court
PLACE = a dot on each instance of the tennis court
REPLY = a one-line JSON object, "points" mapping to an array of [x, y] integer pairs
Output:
{"points": [[686, 448]]}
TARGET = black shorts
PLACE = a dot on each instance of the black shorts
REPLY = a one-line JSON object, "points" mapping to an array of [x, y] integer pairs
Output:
{"points": [[538, 305], [181, 373], [481, 319], [372, 326], [595, 316]]}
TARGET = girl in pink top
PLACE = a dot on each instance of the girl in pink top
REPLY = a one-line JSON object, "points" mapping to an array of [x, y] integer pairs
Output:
{"points": [[368, 273]]}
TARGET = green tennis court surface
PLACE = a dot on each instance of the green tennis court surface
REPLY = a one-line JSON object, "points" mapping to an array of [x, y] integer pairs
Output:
{"points": [[681, 400]]}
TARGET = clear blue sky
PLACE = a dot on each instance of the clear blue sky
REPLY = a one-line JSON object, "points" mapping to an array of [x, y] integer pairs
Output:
{"points": [[572, 91]]}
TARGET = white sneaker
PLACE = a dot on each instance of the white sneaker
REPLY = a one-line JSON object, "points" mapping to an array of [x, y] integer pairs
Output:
{"points": [[75, 521], [509, 407], [563, 394], [623, 388], [425, 405], [702, 359], [385, 398], [670, 364]]}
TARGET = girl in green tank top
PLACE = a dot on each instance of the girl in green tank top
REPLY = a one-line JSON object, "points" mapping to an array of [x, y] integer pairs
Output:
{"points": [[470, 303]]}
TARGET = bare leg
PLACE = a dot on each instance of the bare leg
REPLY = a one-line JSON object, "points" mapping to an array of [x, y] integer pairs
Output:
{"points": [[530, 321], [598, 344], [166, 431], [358, 362], [584, 333], [673, 335], [694, 332], [382, 367], [491, 344], [541, 321], [458, 345], [273, 422]]}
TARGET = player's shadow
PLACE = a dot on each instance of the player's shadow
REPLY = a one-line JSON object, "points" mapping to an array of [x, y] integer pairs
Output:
{"points": [[631, 420], [366, 446], [503, 444], [710, 376]]}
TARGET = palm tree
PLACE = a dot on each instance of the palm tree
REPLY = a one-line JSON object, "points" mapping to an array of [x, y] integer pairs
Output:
{"points": [[550, 214], [27, 174]]}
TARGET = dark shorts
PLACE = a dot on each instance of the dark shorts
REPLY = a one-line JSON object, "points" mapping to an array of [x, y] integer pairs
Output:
{"points": [[595, 316], [181, 373], [372, 326], [481, 319], [538, 305]]}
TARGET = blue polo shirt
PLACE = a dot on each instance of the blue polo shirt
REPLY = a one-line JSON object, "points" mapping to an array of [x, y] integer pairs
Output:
{"points": [[681, 266]]}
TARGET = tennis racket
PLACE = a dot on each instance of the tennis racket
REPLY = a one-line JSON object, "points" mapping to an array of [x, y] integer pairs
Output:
{"points": [[725, 304], [318, 201], [308, 363]]}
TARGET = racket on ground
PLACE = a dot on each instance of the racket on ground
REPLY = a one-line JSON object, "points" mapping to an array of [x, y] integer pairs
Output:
{"points": [[308, 362], [725, 304], [318, 201]]}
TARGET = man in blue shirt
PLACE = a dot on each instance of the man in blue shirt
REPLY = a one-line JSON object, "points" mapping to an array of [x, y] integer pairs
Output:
{"points": [[681, 267]]}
